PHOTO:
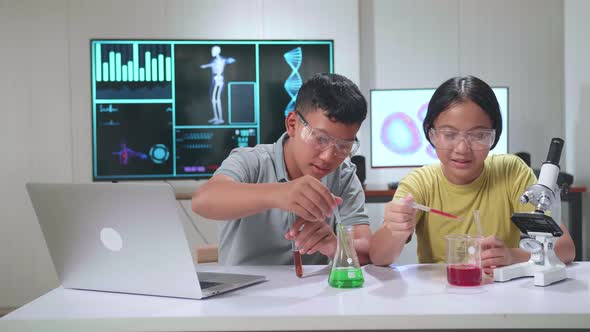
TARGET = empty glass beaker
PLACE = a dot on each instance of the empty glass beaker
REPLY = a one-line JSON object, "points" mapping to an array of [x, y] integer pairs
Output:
{"points": [[464, 260], [346, 271]]}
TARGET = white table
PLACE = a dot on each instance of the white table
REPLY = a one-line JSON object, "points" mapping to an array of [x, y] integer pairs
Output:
{"points": [[405, 297]]}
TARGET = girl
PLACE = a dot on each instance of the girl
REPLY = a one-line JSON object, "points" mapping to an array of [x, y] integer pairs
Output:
{"points": [[463, 124]]}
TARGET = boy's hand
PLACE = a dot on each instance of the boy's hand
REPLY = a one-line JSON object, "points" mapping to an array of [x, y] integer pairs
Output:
{"points": [[308, 198], [311, 237]]}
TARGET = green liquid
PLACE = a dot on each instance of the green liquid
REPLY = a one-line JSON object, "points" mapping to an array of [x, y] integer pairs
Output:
{"points": [[346, 277]]}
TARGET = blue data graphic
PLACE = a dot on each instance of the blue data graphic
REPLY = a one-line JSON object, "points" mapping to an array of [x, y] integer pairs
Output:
{"points": [[159, 153], [198, 150], [293, 58], [166, 109], [107, 108]]}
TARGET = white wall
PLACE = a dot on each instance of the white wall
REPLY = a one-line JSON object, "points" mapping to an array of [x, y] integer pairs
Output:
{"points": [[45, 92], [577, 99], [421, 43], [36, 132]]}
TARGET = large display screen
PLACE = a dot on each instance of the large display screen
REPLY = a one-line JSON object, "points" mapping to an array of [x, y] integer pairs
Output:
{"points": [[397, 138], [165, 109]]}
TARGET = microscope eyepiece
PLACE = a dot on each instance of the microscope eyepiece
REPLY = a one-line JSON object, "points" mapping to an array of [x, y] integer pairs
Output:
{"points": [[554, 153]]}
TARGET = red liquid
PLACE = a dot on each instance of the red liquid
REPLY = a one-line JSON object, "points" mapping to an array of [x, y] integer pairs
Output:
{"points": [[464, 275], [445, 214], [298, 264]]}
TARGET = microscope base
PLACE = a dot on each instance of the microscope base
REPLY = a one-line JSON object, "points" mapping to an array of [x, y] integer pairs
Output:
{"points": [[543, 275]]}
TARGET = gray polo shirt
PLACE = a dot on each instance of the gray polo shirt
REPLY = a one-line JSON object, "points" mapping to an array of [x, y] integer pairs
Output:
{"points": [[259, 239]]}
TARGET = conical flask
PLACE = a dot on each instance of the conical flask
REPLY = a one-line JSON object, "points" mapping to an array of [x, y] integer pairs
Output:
{"points": [[346, 271]]}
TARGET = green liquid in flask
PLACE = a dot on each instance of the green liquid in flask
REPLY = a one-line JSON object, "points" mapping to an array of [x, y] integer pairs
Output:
{"points": [[346, 277]]}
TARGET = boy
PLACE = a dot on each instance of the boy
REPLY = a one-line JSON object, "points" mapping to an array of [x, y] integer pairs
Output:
{"points": [[271, 194]]}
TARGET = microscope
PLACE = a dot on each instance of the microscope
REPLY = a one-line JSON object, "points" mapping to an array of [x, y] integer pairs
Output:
{"points": [[543, 231]]}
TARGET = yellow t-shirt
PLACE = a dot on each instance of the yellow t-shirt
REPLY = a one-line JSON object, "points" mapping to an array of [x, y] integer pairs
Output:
{"points": [[496, 193]]}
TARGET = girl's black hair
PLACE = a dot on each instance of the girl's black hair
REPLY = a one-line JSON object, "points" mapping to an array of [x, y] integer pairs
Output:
{"points": [[461, 89]]}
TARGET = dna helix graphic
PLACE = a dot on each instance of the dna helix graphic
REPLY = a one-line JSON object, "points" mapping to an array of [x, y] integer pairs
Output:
{"points": [[293, 82]]}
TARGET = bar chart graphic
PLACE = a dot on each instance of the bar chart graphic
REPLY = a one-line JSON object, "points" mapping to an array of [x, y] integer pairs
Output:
{"points": [[125, 63], [132, 70]]}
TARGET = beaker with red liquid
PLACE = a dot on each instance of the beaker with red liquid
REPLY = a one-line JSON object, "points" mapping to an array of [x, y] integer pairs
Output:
{"points": [[464, 260]]}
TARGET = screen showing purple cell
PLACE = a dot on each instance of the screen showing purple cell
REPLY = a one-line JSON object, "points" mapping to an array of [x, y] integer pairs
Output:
{"points": [[400, 134], [430, 151], [397, 117], [422, 112]]}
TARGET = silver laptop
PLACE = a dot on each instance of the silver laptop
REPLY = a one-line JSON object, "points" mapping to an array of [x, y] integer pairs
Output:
{"points": [[122, 237]]}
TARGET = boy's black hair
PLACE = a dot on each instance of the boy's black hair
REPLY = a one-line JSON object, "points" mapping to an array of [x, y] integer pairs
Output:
{"points": [[338, 97], [461, 89]]}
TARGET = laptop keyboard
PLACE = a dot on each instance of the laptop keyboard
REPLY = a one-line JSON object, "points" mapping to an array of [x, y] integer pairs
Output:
{"points": [[208, 284]]}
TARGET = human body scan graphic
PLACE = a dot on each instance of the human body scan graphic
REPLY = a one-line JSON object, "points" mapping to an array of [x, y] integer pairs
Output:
{"points": [[217, 66]]}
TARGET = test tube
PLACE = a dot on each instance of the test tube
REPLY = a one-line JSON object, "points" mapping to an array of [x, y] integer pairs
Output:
{"points": [[296, 256], [297, 260], [478, 227]]}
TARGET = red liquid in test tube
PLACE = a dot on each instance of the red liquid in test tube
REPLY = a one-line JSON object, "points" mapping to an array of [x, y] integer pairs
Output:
{"points": [[298, 263]]}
